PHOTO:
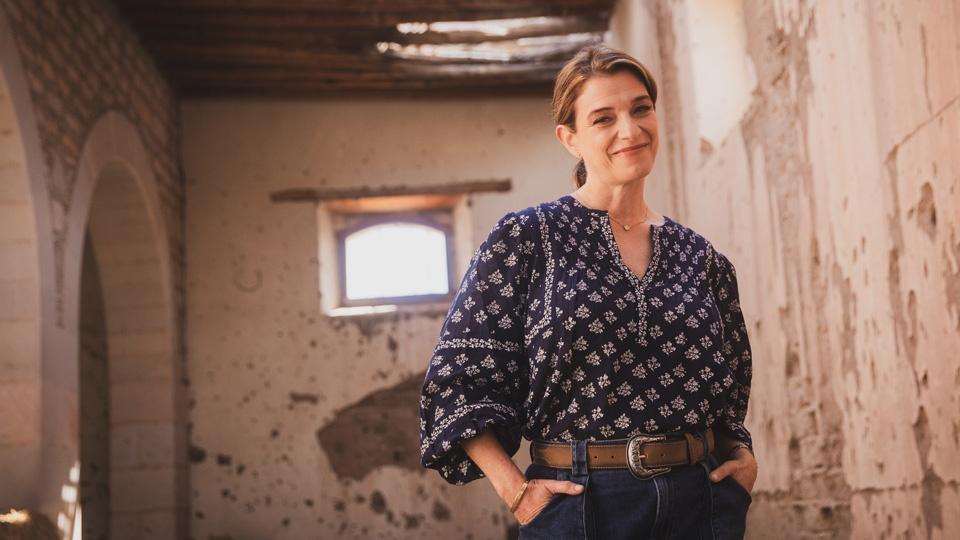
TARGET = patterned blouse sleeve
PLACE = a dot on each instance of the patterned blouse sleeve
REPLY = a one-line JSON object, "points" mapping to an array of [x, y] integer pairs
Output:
{"points": [[478, 375], [736, 347]]}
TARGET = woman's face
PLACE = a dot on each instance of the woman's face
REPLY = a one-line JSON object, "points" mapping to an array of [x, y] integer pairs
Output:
{"points": [[616, 128]]}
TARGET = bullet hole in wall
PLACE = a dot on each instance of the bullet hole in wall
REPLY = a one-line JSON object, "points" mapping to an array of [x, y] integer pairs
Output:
{"points": [[412, 521], [378, 503], [197, 454], [440, 511], [303, 397]]}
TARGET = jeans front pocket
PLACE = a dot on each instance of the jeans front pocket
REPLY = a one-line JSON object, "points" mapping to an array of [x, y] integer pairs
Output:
{"points": [[554, 501], [736, 486], [730, 502], [559, 518]]}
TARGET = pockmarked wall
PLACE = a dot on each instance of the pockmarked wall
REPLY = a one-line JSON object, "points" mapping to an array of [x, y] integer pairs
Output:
{"points": [[305, 426], [818, 151]]}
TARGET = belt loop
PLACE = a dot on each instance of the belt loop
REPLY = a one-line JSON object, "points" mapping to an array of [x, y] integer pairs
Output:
{"points": [[690, 438], [579, 449], [705, 442]]}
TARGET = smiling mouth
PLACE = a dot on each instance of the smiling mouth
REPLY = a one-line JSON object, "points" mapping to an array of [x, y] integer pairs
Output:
{"points": [[632, 149]]}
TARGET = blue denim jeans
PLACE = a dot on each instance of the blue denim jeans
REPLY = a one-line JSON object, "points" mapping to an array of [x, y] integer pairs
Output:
{"points": [[681, 504]]}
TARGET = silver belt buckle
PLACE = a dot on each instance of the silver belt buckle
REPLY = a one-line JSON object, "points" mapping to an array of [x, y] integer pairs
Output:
{"points": [[635, 456]]}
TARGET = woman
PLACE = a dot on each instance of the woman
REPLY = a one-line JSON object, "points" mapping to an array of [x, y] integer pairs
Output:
{"points": [[607, 334]]}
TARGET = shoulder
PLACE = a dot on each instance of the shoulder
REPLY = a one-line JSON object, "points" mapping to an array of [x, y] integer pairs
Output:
{"points": [[520, 221], [518, 226], [511, 240], [687, 236], [693, 242]]}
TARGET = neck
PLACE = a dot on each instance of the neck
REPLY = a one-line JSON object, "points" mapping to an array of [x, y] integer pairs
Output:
{"points": [[624, 203]]}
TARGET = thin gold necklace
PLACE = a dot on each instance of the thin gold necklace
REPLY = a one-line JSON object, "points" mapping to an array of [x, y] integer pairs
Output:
{"points": [[646, 214]]}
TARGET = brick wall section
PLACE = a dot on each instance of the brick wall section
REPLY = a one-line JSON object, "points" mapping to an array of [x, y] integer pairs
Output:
{"points": [[81, 60]]}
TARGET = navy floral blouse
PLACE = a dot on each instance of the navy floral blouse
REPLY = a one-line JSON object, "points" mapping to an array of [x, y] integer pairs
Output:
{"points": [[552, 337]]}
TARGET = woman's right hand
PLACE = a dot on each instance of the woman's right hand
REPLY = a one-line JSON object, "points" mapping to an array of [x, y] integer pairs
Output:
{"points": [[538, 495]]}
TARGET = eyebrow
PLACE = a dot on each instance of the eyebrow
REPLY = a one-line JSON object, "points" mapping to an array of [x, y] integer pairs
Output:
{"points": [[636, 99]]}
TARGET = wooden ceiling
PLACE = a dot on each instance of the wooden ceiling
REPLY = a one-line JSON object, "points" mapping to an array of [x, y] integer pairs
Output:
{"points": [[328, 48]]}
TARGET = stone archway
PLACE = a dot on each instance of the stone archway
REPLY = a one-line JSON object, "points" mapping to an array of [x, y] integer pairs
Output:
{"points": [[116, 207]]}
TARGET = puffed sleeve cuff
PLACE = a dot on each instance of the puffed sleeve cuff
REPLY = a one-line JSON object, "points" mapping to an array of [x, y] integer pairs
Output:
{"points": [[737, 432], [441, 450]]}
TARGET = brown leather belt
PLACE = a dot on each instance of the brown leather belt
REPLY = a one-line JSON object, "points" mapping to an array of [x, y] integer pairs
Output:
{"points": [[645, 455]]}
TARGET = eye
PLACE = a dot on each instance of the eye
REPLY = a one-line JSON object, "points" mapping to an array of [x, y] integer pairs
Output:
{"points": [[601, 119], [642, 109]]}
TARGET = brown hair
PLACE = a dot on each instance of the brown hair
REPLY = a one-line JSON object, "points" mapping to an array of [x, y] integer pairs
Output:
{"points": [[592, 60]]}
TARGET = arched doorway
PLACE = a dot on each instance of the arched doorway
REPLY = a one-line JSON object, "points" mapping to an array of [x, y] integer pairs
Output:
{"points": [[126, 354], [132, 430]]}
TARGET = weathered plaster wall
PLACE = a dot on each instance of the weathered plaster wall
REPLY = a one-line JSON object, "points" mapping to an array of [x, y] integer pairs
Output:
{"points": [[837, 196], [305, 426]]}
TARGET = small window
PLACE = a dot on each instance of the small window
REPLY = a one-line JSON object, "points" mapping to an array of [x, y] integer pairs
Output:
{"points": [[392, 249], [383, 254], [403, 258]]}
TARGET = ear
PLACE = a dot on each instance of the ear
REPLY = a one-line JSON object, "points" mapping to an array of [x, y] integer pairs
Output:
{"points": [[566, 136]]}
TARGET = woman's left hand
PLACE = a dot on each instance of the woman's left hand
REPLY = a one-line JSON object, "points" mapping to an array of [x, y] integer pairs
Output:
{"points": [[742, 466]]}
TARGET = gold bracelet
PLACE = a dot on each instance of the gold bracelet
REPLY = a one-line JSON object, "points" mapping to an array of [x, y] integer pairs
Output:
{"points": [[516, 500]]}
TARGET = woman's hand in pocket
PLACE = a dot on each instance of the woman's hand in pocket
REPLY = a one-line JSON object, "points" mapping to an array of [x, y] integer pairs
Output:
{"points": [[742, 466], [538, 495]]}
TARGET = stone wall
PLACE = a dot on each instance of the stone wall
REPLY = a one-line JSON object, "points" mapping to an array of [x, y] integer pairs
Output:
{"points": [[86, 101], [80, 60]]}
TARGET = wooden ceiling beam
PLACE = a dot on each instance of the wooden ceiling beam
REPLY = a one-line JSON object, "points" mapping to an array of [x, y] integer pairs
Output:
{"points": [[382, 90], [360, 6], [347, 39], [168, 54], [327, 40], [540, 71], [537, 69], [164, 19], [242, 56], [372, 194]]}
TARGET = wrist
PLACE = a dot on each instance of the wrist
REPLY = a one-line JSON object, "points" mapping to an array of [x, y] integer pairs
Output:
{"points": [[735, 449], [519, 496], [508, 488]]}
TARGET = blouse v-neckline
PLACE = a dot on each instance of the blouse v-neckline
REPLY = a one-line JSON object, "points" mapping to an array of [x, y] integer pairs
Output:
{"points": [[639, 282]]}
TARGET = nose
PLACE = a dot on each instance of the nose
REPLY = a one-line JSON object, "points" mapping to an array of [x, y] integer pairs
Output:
{"points": [[627, 128]]}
